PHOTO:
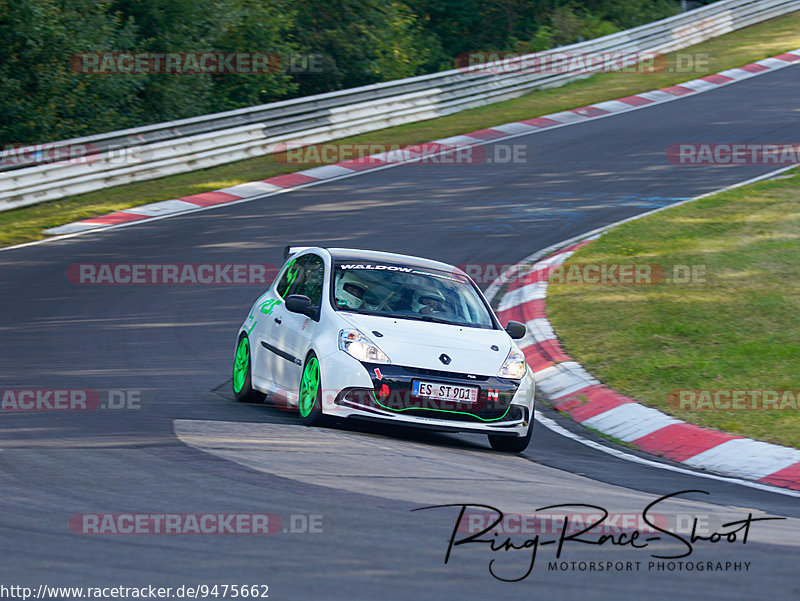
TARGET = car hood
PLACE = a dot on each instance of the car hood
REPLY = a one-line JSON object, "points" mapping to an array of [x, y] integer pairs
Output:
{"points": [[420, 344]]}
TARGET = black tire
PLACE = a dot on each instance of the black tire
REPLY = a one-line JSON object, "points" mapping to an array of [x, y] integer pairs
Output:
{"points": [[241, 374], [511, 444], [311, 415]]}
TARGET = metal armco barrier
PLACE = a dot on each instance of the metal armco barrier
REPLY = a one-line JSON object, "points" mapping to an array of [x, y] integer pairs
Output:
{"points": [[154, 151]]}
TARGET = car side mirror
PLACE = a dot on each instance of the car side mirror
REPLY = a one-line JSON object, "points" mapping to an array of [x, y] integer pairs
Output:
{"points": [[514, 329], [300, 303]]}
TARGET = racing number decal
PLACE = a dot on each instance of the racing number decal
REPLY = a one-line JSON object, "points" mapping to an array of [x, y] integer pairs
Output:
{"points": [[269, 305]]}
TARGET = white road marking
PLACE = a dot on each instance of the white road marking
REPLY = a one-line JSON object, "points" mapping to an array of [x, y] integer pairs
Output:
{"points": [[553, 426], [630, 421], [161, 208], [563, 379], [745, 457], [539, 330], [327, 171], [250, 189], [522, 295]]}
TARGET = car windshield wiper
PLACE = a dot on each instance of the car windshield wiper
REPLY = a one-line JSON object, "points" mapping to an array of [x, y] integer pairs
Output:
{"points": [[432, 318], [441, 320], [418, 317]]}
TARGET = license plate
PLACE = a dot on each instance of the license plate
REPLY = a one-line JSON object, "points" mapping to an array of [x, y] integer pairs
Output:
{"points": [[445, 392]]}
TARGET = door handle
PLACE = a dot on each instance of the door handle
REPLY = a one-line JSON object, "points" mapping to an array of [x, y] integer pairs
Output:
{"points": [[278, 320]]}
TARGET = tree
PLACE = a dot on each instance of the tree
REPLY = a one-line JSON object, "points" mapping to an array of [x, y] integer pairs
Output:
{"points": [[184, 26], [360, 42], [42, 98], [46, 93]]}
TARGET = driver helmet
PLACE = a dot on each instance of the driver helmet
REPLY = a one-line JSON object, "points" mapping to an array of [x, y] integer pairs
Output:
{"points": [[350, 291], [429, 300]]}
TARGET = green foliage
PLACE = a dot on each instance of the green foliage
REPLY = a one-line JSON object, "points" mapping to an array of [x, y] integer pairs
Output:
{"points": [[567, 25], [570, 24], [360, 42], [41, 97], [44, 97], [530, 26], [259, 27], [632, 12], [217, 25]]}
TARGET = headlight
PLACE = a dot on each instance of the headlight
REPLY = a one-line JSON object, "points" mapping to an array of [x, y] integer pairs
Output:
{"points": [[355, 344], [514, 365]]}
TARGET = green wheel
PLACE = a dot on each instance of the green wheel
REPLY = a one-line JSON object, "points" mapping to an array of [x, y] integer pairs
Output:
{"points": [[242, 388], [309, 403]]}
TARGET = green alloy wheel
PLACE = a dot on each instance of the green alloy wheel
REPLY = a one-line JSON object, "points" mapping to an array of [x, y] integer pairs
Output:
{"points": [[242, 389], [310, 402]]}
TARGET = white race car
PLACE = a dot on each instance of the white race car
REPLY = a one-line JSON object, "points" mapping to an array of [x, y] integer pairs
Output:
{"points": [[380, 336]]}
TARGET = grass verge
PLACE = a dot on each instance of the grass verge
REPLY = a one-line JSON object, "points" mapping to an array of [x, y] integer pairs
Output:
{"points": [[731, 50], [735, 326]]}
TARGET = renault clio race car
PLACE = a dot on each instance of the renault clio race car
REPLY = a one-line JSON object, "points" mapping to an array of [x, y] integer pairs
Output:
{"points": [[380, 336]]}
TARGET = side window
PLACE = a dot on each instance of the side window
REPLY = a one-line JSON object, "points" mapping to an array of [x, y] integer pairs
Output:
{"points": [[288, 278], [310, 279]]}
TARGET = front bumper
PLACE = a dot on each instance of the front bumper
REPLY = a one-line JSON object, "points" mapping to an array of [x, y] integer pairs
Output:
{"points": [[503, 406]]}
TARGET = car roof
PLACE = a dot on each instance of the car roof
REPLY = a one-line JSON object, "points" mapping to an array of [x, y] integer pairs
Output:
{"points": [[352, 254]]}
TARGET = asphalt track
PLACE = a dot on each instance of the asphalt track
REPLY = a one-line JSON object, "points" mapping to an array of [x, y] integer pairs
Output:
{"points": [[190, 448]]}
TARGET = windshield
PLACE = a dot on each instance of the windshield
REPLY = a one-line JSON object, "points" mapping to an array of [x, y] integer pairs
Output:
{"points": [[408, 293]]}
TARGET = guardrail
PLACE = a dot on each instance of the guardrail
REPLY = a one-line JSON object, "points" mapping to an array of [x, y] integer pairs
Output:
{"points": [[174, 147]]}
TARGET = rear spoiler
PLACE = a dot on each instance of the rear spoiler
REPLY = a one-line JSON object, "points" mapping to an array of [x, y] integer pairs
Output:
{"points": [[293, 250]]}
